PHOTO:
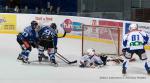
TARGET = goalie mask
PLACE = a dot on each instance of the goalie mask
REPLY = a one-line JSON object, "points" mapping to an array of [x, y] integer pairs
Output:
{"points": [[91, 51], [133, 27]]}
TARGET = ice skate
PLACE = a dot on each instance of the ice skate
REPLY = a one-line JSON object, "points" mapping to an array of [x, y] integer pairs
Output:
{"points": [[53, 61], [41, 57], [25, 60], [19, 57]]}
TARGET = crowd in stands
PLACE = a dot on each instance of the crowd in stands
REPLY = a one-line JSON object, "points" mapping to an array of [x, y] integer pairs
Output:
{"points": [[39, 6]]}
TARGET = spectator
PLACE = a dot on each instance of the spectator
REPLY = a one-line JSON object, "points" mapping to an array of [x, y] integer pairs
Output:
{"points": [[25, 10], [24, 3], [6, 9], [58, 6], [49, 7], [37, 10], [10, 3], [53, 6], [9, 6], [42, 11], [16, 9], [58, 10]]}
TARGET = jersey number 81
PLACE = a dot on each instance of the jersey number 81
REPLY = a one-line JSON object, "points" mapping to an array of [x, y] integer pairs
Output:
{"points": [[135, 38]]}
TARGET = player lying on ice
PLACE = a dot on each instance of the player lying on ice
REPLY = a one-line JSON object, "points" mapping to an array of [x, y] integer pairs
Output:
{"points": [[133, 43], [91, 59]]}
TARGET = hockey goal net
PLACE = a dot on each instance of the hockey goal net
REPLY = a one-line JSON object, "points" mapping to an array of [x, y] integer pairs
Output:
{"points": [[103, 39]]}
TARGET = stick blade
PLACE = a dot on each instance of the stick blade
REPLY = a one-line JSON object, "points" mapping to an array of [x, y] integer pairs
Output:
{"points": [[72, 62]]}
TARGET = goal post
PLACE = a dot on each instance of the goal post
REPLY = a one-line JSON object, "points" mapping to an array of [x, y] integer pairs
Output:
{"points": [[104, 39]]}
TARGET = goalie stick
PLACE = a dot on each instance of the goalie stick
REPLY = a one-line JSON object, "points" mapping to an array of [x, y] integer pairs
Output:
{"points": [[65, 59]]}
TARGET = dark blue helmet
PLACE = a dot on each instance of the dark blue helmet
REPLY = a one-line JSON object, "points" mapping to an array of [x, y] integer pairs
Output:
{"points": [[53, 25], [34, 24]]}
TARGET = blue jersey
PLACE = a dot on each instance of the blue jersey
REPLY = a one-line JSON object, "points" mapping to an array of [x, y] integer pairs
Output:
{"points": [[48, 33], [28, 34]]}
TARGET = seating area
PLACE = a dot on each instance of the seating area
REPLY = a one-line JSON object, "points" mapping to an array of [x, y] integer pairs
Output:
{"points": [[39, 6]]}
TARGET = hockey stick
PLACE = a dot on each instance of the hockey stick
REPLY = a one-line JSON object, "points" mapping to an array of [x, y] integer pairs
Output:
{"points": [[63, 35], [61, 58], [65, 59]]}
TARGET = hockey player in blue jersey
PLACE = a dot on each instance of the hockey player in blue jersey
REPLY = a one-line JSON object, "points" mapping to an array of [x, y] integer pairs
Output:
{"points": [[26, 39], [48, 41], [133, 43]]}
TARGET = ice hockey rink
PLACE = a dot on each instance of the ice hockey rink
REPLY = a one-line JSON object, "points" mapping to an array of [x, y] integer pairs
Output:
{"points": [[14, 71]]}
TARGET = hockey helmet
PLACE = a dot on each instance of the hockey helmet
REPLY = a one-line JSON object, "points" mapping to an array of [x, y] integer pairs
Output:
{"points": [[34, 24], [133, 27], [53, 25], [91, 51]]}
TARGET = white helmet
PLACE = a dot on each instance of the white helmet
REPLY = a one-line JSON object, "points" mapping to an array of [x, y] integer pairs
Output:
{"points": [[133, 26], [91, 51]]}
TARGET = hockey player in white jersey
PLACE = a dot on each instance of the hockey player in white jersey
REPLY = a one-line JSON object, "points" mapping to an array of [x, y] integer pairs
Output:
{"points": [[133, 43], [90, 59]]}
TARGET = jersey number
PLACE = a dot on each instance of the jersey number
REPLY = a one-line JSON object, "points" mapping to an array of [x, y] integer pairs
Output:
{"points": [[47, 32], [135, 38], [25, 34]]}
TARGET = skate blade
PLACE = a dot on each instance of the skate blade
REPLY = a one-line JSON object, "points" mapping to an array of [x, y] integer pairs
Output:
{"points": [[54, 65], [26, 62]]}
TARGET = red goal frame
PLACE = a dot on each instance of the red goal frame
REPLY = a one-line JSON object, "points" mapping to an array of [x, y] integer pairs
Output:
{"points": [[119, 39]]}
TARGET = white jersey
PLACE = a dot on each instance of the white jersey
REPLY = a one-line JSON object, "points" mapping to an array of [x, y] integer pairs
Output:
{"points": [[91, 59], [134, 40]]}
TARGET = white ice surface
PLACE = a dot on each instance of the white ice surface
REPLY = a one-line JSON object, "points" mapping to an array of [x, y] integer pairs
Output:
{"points": [[13, 71]]}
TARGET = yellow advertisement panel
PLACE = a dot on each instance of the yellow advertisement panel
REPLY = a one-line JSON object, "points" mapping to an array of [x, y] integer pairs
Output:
{"points": [[8, 23]]}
